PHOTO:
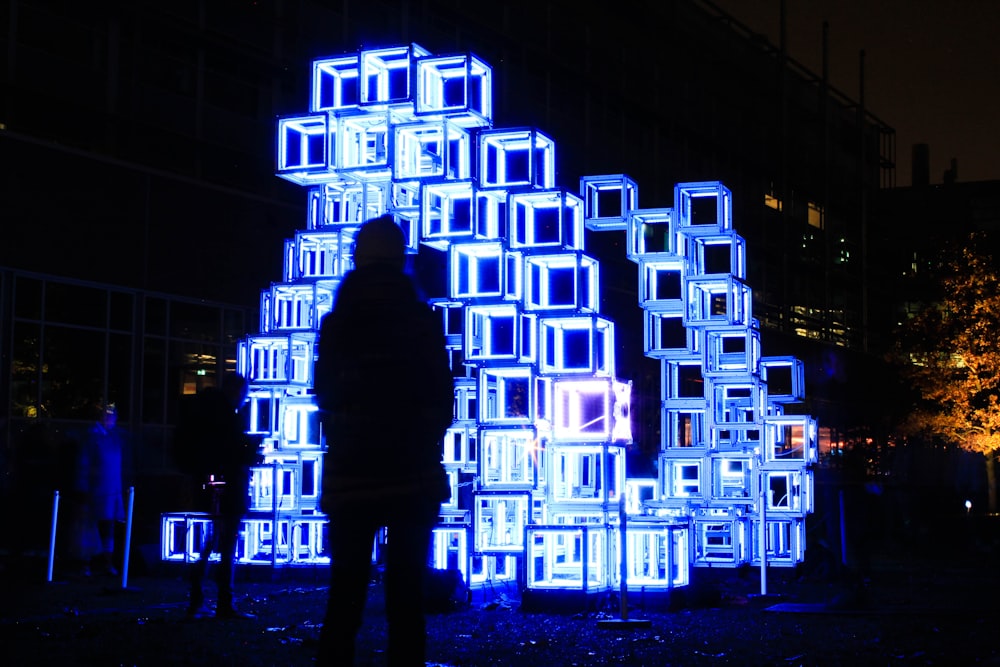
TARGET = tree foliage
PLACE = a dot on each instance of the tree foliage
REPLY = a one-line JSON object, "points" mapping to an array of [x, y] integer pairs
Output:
{"points": [[951, 353]]}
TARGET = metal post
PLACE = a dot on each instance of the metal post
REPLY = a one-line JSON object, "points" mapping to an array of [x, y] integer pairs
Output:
{"points": [[623, 570], [763, 542], [274, 519], [52, 534], [128, 536], [762, 538], [623, 575]]}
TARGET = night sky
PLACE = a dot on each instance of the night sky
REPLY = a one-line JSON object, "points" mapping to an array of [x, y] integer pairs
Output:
{"points": [[932, 70]]}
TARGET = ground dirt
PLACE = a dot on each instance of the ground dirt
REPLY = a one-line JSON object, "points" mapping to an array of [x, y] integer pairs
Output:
{"points": [[910, 606]]}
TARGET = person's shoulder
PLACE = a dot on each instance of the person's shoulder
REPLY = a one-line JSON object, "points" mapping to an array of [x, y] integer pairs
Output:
{"points": [[424, 326], [376, 284], [377, 274]]}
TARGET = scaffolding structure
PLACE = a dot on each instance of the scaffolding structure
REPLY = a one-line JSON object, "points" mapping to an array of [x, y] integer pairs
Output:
{"points": [[536, 451]]}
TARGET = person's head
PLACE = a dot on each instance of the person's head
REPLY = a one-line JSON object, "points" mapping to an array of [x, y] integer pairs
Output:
{"points": [[380, 241], [106, 414], [235, 389]]}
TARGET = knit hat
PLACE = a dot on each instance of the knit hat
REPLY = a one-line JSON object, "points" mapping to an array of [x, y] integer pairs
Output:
{"points": [[379, 241]]}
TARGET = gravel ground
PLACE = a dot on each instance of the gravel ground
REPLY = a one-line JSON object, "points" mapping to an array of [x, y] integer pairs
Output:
{"points": [[912, 610]]}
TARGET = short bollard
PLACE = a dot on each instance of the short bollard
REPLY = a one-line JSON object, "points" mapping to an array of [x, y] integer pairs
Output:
{"points": [[52, 535]]}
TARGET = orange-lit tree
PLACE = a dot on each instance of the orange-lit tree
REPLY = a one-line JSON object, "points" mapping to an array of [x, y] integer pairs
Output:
{"points": [[953, 359]]}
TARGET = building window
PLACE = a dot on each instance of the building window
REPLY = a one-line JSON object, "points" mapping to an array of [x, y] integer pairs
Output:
{"points": [[815, 215]]}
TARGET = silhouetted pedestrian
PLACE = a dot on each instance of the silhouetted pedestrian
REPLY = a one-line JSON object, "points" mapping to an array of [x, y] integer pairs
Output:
{"points": [[220, 460], [99, 487], [384, 386]]}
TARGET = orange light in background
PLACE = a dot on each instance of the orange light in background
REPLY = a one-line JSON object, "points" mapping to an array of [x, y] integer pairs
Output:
{"points": [[827, 443]]}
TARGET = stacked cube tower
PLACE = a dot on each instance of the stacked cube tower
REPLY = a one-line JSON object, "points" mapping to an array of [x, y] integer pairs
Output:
{"points": [[536, 452]]}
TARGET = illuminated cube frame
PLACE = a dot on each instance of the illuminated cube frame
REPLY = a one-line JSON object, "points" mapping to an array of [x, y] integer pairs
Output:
{"points": [[535, 453]]}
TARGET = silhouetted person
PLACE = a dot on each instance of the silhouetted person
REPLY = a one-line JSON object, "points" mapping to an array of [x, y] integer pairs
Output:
{"points": [[222, 475], [384, 386], [99, 487]]}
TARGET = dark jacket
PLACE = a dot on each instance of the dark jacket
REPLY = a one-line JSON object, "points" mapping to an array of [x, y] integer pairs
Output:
{"points": [[384, 386], [223, 448], [100, 472]]}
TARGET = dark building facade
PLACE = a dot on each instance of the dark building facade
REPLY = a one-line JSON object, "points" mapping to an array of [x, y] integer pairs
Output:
{"points": [[137, 143], [932, 219]]}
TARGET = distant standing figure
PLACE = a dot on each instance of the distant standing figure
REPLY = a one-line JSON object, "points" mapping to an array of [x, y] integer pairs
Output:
{"points": [[99, 472], [225, 453], [384, 387]]}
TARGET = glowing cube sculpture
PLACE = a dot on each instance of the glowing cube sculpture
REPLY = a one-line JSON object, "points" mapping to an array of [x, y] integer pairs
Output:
{"points": [[536, 452]]}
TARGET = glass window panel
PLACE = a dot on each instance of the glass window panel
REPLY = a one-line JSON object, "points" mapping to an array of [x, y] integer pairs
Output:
{"points": [[72, 371], [195, 321], [120, 372], [156, 316], [194, 366], [28, 298], [122, 306], [233, 326], [76, 304], [154, 380], [24, 370]]}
